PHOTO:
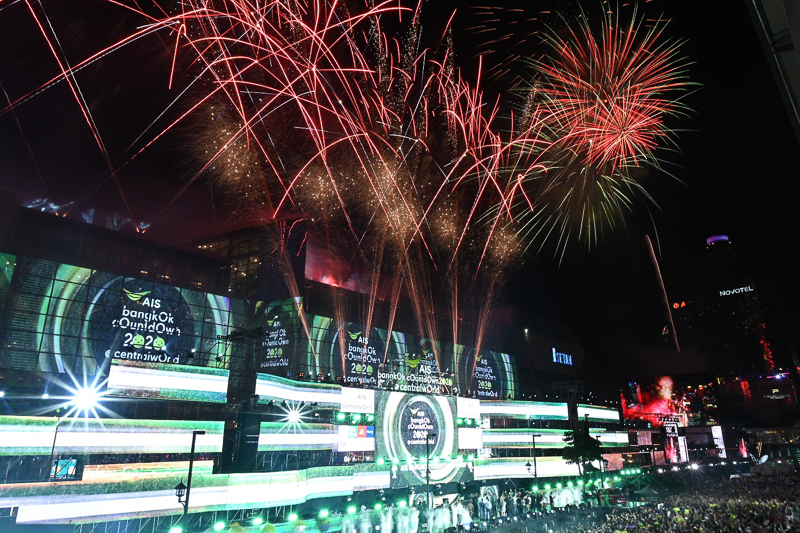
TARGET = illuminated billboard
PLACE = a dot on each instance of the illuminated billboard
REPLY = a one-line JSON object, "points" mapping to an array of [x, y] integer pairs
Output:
{"points": [[412, 427], [67, 318], [70, 318], [284, 335], [685, 400], [402, 362]]}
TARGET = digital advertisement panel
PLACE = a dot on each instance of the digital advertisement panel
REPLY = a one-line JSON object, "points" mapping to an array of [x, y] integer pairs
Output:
{"points": [[405, 363], [688, 400], [489, 375], [358, 353], [284, 335], [72, 318], [413, 427]]}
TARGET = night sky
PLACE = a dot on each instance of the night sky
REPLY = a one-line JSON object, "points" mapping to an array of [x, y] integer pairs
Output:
{"points": [[734, 172]]}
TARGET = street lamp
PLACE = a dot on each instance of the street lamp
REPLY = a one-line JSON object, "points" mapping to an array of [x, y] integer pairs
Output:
{"points": [[428, 438], [52, 472], [180, 488], [533, 441]]}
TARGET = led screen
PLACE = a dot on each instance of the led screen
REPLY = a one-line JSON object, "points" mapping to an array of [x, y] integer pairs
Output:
{"points": [[688, 400], [46, 435], [595, 413], [374, 357], [69, 318], [156, 381], [412, 427], [281, 322]]}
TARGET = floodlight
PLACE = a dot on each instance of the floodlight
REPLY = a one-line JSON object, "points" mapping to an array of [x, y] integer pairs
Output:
{"points": [[86, 399], [294, 416]]}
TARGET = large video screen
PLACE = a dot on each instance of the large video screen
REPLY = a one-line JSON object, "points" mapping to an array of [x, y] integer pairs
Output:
{"points": [[284, 335], [412, 427], [686, 400], [402, 362], [69, 318]]}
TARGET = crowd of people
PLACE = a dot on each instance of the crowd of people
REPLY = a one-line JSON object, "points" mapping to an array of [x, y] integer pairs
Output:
{"points": [[519, 503], [746, 505]]}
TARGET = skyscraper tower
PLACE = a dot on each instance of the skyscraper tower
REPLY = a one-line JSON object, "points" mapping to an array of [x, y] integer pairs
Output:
{"points": [[720, 258], [728, 319]]}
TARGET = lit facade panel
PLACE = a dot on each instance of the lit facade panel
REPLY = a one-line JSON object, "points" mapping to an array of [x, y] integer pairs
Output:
{"points": [[597, 413], [543, 410]]}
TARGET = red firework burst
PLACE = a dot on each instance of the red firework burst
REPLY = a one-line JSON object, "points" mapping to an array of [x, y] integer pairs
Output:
{"points": [[610, 91]]}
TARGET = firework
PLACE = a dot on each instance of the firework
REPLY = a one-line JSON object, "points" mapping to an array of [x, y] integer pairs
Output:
{"points": [[608, 92]]}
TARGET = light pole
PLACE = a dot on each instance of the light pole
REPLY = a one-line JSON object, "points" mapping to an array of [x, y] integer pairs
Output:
{"points": [[533, 441], [50, 469], [180, 488], [428, 467]]}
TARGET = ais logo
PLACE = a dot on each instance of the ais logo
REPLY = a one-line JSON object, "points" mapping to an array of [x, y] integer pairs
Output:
{"points": [[413, 360], [141, 297]]}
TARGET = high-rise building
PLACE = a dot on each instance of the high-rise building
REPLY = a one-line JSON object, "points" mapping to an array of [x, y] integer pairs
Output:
{"points": [[731, 318]]}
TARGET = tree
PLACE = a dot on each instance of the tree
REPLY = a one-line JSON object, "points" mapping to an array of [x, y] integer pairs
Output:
{"points": [[581, 449]]}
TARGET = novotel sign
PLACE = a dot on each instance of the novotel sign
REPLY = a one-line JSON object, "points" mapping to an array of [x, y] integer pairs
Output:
{"points": [[738, 290], [562, 358]]}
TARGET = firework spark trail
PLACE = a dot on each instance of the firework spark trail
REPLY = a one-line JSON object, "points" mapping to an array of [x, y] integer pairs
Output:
{"points": [[68, 75], [665, 299], [353, 132], [295, 80], [25, 140], [283, 232]]}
